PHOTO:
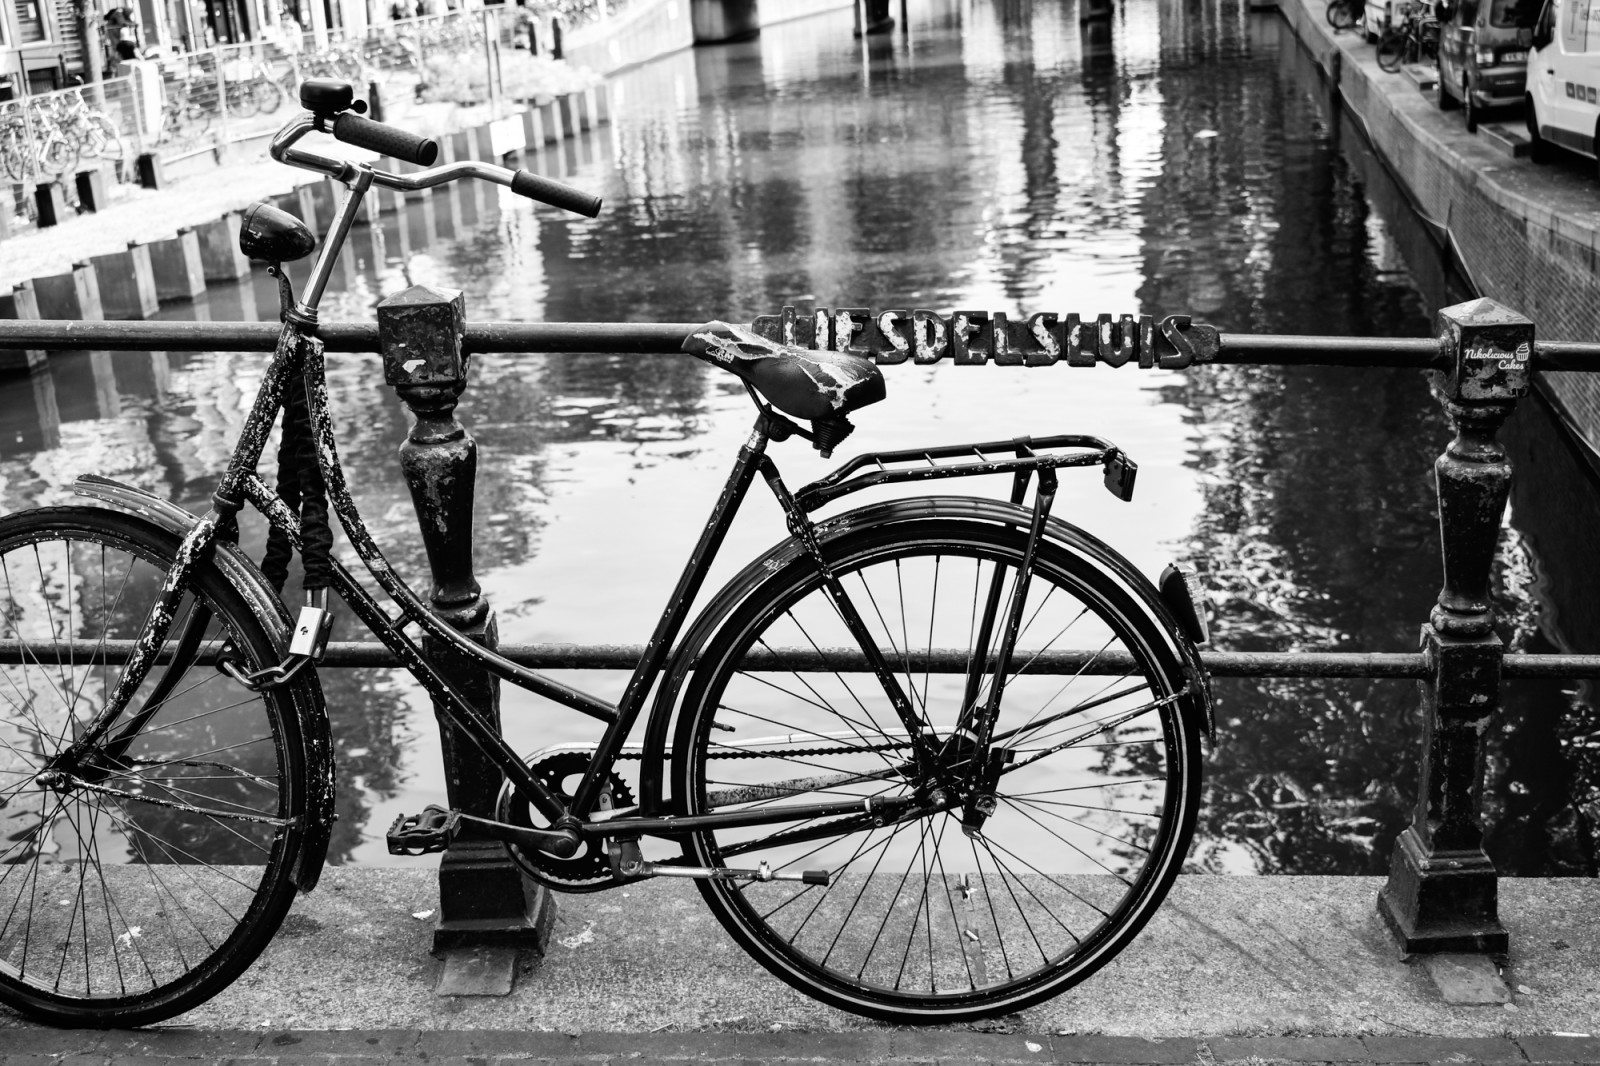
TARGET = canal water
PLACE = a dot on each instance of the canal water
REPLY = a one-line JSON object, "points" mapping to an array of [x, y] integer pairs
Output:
{"points": [[989, 154]]}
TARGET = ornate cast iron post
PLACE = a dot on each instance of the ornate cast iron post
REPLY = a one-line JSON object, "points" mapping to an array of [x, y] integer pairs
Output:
{"points": [[483, 897], [1442, 891]]}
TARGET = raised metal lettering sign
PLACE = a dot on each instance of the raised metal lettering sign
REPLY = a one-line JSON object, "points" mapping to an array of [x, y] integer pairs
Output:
{"points": [[971, 338]]}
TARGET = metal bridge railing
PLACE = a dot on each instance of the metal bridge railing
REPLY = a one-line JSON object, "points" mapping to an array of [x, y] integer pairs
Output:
{"points": [[1441, 895]]}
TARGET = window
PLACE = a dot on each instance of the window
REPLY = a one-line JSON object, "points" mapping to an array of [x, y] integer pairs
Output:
{"points": [[30, 21], [1513, 12], [1574, 25]]}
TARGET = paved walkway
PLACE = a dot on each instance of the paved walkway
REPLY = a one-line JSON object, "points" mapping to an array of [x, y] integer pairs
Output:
{"points": [[1247, 969], [202, 193], [492, 1048]]}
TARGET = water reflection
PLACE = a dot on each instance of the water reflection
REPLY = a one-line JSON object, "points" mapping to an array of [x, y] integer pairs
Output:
{"points": [[997, 155]]}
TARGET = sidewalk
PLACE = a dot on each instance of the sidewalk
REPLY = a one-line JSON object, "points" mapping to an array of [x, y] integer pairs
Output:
{"points": [[1276, 969], [203, 194]]}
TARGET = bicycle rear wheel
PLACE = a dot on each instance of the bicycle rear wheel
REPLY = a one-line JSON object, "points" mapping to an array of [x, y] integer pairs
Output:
{"points": [[140, 881], [920, 922], [1392, 49], [1341, 14]]}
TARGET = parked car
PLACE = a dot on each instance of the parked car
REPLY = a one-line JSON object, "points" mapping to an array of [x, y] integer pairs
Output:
{"points": [[1563, 75], [1483, 55]]}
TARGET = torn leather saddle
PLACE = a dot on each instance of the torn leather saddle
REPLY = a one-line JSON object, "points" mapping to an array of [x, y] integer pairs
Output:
{"points": [[805, 383]]}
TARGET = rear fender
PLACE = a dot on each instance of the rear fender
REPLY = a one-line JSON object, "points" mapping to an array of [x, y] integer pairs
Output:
{"points": [[315, 740], [780, 555]]}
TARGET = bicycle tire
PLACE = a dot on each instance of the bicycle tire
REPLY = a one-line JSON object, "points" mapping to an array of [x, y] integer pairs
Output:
{"points": [[1339, 14], [58, 155], [1002, 956], [13, 156], [268, 95], [1391, 50], [241, 98], [103, 139], [170, 903]]}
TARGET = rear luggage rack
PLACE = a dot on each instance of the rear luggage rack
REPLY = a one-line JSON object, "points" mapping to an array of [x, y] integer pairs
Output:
{"points": [[1019, 456]]}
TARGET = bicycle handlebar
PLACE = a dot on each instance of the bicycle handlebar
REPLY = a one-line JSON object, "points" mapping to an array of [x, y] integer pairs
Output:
{"points": [[391, 140], [385, 139]]}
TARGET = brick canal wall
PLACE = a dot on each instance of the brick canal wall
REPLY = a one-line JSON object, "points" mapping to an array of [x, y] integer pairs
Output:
{"points": [[1526, 236]]}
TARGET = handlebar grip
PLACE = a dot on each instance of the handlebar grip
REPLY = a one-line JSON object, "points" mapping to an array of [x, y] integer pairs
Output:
{"points": [[385, 140], [535, 187]]}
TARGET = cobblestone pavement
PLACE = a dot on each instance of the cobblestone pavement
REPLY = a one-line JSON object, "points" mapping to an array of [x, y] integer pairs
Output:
{"points": [[490, 1048]]}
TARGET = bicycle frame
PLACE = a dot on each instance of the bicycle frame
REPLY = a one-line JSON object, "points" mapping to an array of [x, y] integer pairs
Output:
{"points": [[300, 351]]}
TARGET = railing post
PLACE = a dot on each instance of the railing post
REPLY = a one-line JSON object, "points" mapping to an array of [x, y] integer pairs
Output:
{"points": [[483, 897], [1442, 892]]}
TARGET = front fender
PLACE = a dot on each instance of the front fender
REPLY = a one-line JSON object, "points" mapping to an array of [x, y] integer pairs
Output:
{"points": [[315, 739], [890, 512]]}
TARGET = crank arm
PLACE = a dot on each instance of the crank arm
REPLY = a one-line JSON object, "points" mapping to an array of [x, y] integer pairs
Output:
{"points": [[563, 843]]}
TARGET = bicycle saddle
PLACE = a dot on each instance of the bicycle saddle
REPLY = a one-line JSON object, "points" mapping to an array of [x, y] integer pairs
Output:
{"points": [[821, 386]]}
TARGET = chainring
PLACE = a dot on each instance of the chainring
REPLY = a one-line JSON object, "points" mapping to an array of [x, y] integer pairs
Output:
{"points": [[589, 870]]}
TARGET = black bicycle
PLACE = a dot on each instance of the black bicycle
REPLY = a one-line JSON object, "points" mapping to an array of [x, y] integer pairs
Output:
{"points": [[928, 759], [1414, 40]]}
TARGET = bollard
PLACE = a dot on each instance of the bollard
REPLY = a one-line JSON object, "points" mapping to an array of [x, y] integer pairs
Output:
{"points": [[51, 202], [1442, 892], [419, 223], [482, 138], [92, 191], [74, 295], [567, 110], [20, 303], [532, 127], [176, 265], [127, 282], [483, 897], [305, 200], [389, 200], [550, 118], [220, 257], [446, 206], [151, 174], [328, 195]]}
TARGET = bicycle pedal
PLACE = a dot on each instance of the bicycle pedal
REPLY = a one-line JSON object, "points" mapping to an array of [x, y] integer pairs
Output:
{"points": [[425, 833]]}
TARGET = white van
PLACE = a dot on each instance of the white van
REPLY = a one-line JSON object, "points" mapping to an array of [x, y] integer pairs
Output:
{"points": [[1563, 95]]}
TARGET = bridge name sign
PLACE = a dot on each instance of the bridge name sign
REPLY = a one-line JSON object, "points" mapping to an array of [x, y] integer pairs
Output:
{"points": [[972, 338]]}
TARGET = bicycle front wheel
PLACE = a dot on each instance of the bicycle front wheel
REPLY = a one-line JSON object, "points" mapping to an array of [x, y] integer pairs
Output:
{"points": [[922, 921], [140, 880], [268, 95], [104, 141], [58, 155]]}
